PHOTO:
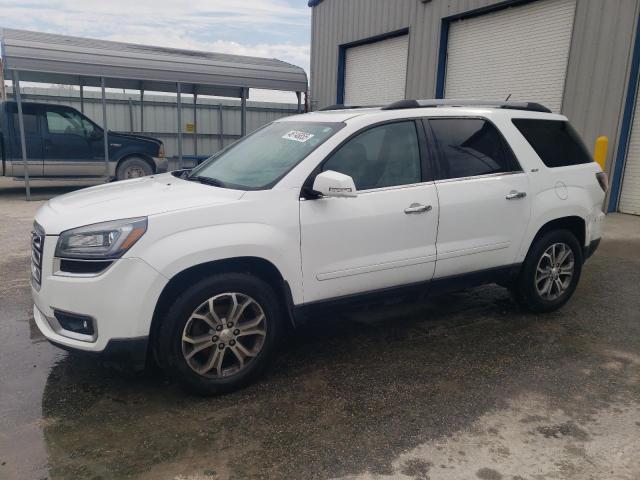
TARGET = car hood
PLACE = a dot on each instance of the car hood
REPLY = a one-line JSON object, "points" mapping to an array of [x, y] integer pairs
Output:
{"points": [[128, 199]]}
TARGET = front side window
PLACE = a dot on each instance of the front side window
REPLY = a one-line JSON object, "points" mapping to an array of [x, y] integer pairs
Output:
{"points": [[264, 157], [555, 141], [382, 156], [470, 147], [61, 121]]}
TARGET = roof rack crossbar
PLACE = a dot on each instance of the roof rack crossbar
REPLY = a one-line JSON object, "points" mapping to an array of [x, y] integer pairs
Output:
{"points": [[530, 106]]}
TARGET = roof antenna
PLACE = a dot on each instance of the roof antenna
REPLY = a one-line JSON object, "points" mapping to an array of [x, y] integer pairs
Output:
{"points": [[508, 97]]}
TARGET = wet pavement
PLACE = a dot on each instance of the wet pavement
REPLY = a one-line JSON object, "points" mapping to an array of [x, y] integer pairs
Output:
{"points": [[462, 386]]}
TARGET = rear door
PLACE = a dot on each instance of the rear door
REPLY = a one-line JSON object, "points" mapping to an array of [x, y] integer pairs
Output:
{"points": [[33, 140], [67, 144], [483, 193]]}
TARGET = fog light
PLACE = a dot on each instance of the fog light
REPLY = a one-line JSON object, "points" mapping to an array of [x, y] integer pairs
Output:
{"points": [[74, 322]]}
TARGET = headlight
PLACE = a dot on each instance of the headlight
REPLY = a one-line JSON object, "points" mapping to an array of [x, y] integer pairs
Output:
{"points": [[105, 240]]}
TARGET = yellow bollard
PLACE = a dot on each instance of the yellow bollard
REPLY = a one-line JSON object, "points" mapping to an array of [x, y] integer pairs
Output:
{"points": [[600, 151]]}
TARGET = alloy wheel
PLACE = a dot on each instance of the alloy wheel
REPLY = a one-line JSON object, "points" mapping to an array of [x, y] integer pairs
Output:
{"points": [[554, 271], [224, 335]]}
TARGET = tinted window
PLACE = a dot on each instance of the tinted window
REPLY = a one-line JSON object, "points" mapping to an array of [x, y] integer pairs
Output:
{"points": [[469, 147], [555, 141], [382, 156], [30, 122]]}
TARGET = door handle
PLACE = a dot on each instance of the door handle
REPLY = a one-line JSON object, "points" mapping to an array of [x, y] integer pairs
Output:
{"points": [[417, 208], [514, 194]]}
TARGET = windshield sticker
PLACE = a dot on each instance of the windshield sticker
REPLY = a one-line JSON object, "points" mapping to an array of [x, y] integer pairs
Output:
{"points": [[297, 136]]}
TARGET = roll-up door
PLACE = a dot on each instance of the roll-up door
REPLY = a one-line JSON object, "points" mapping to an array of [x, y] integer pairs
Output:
{"points": [[376, 73], [520, 51]]}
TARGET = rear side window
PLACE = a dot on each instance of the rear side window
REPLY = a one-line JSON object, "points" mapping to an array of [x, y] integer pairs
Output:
{"points": [[30, 119], [555, 141], [470, 147]]}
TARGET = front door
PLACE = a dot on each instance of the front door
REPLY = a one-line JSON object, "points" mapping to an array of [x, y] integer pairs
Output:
{"points": [[385, 236], [68, 149], [483, 193]]}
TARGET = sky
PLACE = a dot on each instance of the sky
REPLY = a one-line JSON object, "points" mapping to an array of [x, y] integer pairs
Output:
{"points": [[264, 28]]}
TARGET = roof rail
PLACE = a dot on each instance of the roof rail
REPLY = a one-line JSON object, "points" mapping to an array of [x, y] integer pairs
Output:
{"points": [[341, 106], [530, 106]]}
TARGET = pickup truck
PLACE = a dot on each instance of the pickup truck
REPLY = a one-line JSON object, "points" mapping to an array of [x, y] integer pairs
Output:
{"points": [[62, 142]]}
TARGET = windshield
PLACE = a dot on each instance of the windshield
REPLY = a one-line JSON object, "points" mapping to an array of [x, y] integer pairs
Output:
{"points": [[264, 157]]}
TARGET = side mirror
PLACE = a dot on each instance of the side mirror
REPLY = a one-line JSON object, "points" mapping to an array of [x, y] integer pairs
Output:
{"points": [[334, 184]]}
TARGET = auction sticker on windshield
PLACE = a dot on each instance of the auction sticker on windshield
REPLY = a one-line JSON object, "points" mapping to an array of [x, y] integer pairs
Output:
{"points": [[297, 136]]}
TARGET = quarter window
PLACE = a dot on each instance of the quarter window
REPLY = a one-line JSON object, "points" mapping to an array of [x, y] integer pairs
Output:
{"points": [[555, 141], [470, 147], [382, 156]]}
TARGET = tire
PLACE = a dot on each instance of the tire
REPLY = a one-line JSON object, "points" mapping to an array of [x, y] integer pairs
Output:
{"points": [[133, 167], [536, 292], [186, 319]]}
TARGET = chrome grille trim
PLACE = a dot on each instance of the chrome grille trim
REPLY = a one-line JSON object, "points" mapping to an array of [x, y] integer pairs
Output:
{"points": [[37, 247]]}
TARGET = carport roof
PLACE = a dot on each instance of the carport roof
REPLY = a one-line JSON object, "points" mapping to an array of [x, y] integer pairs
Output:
{"points": [[51, 58]]}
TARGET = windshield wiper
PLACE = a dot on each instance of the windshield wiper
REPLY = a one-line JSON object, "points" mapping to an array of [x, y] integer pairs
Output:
{"points": [[206, 180]]}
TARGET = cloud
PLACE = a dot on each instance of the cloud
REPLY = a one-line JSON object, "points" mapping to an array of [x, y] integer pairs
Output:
{"points": [[273, 29]]}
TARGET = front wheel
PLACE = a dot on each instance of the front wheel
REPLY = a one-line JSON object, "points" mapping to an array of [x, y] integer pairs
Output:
{"points": [[550, 272], [133, 167], [220, 334]]}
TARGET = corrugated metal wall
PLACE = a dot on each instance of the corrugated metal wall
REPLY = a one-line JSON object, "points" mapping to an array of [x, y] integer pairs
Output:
{"points": [[597, 73], [160, 116]]}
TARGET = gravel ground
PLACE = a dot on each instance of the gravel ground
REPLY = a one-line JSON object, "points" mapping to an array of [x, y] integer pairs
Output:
{"points": [[464, 386]]}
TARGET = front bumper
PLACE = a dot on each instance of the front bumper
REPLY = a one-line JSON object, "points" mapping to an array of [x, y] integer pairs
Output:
{"points": [[131, 352], [121, 302], [161, 163], [590, 249]]}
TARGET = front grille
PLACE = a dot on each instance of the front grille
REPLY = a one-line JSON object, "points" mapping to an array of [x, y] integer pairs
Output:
{"points": [[37, 247]]}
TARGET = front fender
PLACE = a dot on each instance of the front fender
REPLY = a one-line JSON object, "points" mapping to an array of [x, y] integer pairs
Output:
{"points": [[184, 249]]}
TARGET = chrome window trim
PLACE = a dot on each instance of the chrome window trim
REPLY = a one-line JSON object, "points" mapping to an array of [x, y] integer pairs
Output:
{"points": [[395, 187], [384, 189], [473, 177]]}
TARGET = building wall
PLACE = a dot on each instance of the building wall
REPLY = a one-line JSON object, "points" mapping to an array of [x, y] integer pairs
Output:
{"points": [[597, 74]]}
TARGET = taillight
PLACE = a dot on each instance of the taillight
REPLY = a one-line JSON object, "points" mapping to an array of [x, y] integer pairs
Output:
{"points": [[603, 180], [161, 151]]}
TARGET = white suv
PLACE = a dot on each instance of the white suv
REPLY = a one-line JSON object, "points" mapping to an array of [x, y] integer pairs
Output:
{"points": [[204, 269]]}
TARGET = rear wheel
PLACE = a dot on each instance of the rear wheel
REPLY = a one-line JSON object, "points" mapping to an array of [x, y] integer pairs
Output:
{"points": [[550, 272], [220, 334], [133, 167]]}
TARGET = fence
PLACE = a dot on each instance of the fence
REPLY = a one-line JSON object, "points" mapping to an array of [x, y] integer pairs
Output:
{"points": [[218, 120]]}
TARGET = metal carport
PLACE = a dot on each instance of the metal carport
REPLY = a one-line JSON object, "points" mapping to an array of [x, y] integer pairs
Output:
{"points": [[50, 58]]}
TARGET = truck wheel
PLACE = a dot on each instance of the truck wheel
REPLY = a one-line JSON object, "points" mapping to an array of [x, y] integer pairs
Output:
{"points": [[133, 167], [220, 334], [550, 272]]}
